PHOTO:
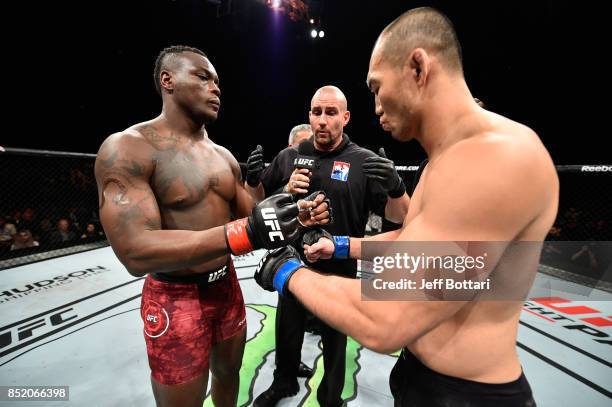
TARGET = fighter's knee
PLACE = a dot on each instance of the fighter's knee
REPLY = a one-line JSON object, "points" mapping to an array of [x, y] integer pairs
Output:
{"points": [[227, 371]]}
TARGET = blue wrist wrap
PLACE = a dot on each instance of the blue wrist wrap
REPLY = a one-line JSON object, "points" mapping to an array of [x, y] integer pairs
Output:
{"points": [[342, 247], [284, 273]]}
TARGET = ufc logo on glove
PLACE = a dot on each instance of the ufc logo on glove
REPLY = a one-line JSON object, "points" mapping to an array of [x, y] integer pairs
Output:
{"points": [[269, 214]]}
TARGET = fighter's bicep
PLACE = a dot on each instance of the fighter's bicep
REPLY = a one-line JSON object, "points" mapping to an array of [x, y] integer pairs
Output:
{"points": [[127, 208], [123, 169], [243, 203]]}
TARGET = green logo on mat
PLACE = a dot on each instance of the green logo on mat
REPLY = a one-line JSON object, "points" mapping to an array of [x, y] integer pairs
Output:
{"points": [[262, 344]]}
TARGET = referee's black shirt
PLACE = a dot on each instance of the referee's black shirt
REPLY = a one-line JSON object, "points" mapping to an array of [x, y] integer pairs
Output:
{"points": [[352, 195]]}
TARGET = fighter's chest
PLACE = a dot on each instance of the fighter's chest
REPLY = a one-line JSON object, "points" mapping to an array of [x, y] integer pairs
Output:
{"points": [[186, 179]]}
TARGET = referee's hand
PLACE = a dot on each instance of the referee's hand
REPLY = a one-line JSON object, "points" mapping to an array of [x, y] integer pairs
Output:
{"points": [[299, 181]]}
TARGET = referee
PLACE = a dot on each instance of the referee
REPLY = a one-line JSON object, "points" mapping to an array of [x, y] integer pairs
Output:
{"points": [[357, 181]]}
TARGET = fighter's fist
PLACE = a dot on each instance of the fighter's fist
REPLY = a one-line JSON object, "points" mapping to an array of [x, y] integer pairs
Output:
{"points": [[318, 244], [273, 223], [276, 268], [255, 165], [317, 211]]}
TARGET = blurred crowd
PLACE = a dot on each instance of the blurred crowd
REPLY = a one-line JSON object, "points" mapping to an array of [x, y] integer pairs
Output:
{"points": [[24, 228]]}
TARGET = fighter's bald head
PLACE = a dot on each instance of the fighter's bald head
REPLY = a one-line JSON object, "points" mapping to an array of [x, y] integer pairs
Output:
{"points": [[330, 92], [425, 28]]}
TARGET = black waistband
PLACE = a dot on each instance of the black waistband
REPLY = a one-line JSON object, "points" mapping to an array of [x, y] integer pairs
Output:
{"points": [[210, 277], [412, 365]]}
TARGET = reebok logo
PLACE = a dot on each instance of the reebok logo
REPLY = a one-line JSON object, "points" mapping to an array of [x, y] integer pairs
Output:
{"points": [[596, 168]]}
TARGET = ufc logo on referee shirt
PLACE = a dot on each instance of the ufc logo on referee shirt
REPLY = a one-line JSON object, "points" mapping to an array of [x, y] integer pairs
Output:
{"points": [[269, 214]]}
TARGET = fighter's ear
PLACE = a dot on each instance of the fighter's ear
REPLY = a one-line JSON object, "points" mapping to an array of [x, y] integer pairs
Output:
{"points": [[166, 81], [418, 63]]}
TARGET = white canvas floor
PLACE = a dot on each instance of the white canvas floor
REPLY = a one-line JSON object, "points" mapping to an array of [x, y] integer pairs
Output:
{"points": [[75, 321]]}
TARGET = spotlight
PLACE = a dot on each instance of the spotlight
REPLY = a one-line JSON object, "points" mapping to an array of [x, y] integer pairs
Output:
{"points": [[321, 34], [313, 33], [311, 21], [276, 3]]}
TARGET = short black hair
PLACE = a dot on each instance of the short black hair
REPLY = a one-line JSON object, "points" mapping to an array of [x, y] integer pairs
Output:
{"points": [[427, 28], [162, 60]]}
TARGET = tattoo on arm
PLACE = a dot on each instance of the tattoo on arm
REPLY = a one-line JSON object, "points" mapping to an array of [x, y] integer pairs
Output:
{"points": [[135, 170], [119, 178], [131, 213], [159, 142], [119, 198], [110, 161]]}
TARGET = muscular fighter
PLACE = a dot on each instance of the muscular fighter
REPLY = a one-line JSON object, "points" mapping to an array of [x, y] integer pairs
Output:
{"points": [[174, 208], [489, 179]]}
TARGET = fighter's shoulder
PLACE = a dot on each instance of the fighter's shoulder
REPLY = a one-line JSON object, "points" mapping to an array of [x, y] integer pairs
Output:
{"points": [[130, 140], [513, 152], [127, 148], [224, 152], [498, 136], [227, 156]]}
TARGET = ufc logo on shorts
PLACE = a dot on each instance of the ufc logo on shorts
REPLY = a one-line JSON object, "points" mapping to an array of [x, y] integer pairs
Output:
{"points": [[151, 318], [269, 214], [215, 275]]}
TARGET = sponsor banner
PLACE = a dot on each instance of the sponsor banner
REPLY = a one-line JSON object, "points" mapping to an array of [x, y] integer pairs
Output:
{"points": [[21, 335], [584, 326], [55, 282]]}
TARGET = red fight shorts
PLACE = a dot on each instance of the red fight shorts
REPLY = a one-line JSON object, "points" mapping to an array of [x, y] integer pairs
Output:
{"points": [[182, 321]]}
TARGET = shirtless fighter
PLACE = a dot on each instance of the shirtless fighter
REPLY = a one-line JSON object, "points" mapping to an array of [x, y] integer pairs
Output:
{"points": [[168, 195], [489, 179]]}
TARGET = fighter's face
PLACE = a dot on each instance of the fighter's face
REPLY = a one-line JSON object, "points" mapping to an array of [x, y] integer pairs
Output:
{"points": [[196, 86], [328, 116], [393, 99]]}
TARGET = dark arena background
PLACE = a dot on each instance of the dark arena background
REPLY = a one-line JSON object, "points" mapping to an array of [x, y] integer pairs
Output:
{"points": [[69, 311]]}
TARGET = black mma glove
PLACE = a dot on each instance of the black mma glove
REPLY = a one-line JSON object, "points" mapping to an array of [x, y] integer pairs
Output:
{"points": [[312, 197], [382, 170], [255, 165], [276, 268], [273, 223], [341, 243]]}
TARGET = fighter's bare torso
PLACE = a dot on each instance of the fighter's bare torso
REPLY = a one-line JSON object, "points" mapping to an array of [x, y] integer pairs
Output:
{"points": [[193, 180], [456, 347]]}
